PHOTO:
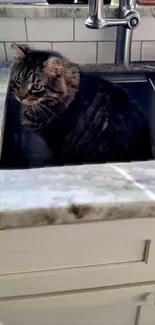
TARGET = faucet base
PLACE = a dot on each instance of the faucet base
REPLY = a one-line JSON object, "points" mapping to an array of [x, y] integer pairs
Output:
{"points": [[123, 46]]}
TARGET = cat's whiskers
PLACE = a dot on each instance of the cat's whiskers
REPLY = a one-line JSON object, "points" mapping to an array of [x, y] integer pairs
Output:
{"points": [[38, 110], [34, 112], [30, 113], [44, 115], [48, 109]]}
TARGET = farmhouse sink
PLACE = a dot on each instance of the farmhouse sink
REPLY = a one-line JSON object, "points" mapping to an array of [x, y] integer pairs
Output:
{"points": [[97, 265], [24, 149]]}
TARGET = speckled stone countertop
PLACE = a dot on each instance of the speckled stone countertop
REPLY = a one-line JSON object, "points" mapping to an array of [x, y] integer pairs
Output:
{"points": [[76, 194], [62, 11]]}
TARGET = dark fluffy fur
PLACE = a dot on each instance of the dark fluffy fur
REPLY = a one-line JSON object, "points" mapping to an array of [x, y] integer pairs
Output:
{"points": [[83, 118]]}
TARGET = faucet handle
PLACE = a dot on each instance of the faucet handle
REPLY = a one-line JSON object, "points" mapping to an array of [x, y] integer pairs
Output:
{"points": [[133, 19], [130, 21]]}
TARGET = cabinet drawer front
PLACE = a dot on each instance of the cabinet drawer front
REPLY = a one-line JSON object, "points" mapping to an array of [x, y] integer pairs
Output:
{"points": [[41, 312], [65, 258], [67, 246], [101, 307], [22, 254]]}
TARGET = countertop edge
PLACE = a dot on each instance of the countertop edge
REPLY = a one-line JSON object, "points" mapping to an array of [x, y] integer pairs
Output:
{"points": [[61, 11], [50, 216]]}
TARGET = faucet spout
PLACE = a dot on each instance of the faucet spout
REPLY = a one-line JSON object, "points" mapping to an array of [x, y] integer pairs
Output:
{"points": [[128, 19], [95, 16]]}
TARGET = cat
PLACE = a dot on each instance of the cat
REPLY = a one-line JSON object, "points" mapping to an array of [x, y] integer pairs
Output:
{"points": [[83, 118]]}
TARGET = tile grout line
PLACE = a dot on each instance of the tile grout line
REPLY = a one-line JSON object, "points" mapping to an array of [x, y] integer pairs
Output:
{"points": [[73, 29], [79, 41], [87, 42], [141, 51], [6, 55], [26, 30], [97, 51]]}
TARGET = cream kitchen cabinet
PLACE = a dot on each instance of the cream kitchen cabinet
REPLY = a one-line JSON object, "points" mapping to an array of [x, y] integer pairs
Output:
{"points": [[74, 257], [147, 315], [123, 306], [84, 274], [69, 316]]}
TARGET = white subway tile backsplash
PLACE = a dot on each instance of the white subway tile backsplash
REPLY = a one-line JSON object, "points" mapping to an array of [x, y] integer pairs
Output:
{"points": [[12, 29], [82, 47], [148, 51], [34, 45], [2, 52], [135, 51], [146, 30], [45, 46], [49, 29], [77, 52], [106, 52], [82, 33]]}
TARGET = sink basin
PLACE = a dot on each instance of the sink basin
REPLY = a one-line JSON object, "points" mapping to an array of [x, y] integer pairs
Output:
{"points": [[24, 149]]}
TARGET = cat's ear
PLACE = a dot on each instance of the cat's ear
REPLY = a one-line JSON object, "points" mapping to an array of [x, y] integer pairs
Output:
{"points": [[19, 51], [53, 66]]}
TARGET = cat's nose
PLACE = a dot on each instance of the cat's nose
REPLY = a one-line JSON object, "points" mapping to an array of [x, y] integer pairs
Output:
{"points": [[22, 97], [22, 94]]}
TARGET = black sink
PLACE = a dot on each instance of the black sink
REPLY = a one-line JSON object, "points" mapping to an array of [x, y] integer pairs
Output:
{"points": [[24, 149]]}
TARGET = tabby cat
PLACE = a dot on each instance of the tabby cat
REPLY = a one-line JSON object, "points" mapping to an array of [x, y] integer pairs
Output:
{"points": [[83, 118]]}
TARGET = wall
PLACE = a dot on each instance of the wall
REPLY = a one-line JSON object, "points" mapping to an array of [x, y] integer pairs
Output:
{"points": [[72, 38]]}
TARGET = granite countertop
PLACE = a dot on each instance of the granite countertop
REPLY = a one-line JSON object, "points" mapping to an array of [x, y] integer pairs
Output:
{"points": [[62, 195], [62, 11]]}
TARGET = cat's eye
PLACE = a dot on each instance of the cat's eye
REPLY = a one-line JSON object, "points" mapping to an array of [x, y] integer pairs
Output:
{"points": [[37, 87]]}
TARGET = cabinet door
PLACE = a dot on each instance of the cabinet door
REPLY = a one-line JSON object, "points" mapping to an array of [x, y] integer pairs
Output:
{"points": [[147, 315]]}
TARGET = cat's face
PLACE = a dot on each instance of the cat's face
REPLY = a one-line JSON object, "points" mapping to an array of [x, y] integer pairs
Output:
{"points": [[37, 76]]}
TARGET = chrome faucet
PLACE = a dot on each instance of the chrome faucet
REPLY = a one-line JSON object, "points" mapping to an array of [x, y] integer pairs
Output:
{"points": [[128, 19]]}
